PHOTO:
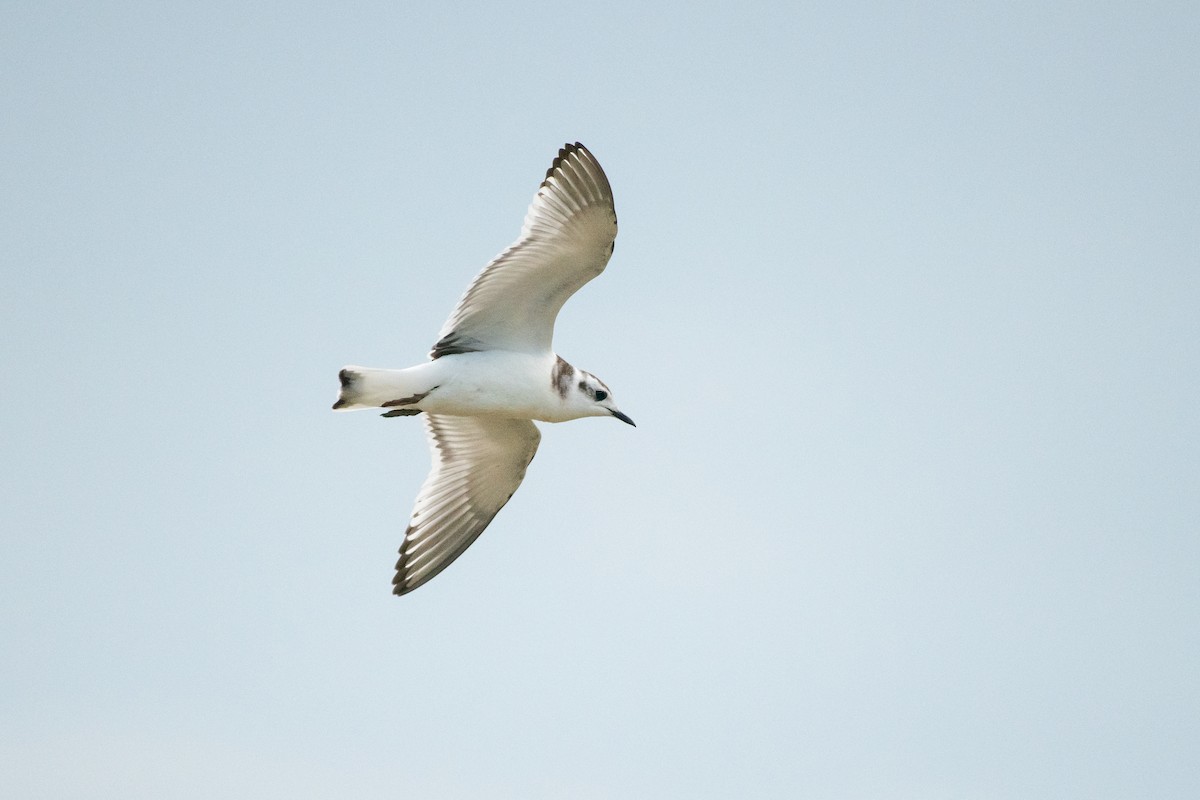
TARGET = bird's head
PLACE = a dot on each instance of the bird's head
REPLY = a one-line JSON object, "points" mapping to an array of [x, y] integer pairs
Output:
{"points": [[589, 396], [592, 394], [583, 394]]}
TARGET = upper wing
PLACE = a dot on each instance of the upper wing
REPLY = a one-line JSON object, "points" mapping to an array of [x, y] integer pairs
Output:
{"points": [[566, 241], [478, 462]]}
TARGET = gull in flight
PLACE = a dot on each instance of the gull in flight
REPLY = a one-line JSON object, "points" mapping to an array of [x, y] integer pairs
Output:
{"points": [[493, 370]]}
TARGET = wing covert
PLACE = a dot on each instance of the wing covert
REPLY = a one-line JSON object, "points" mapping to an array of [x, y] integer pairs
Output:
{"points": [[478, 463], [566, 240]]}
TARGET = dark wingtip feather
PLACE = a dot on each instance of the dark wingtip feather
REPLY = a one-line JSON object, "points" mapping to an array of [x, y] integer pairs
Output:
{"points": [[564, 152]]}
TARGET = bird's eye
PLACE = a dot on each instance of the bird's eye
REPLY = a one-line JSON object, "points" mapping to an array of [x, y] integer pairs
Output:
{"points": [[601, 395]]}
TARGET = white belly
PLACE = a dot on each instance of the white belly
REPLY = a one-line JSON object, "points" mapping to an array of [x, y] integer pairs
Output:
{"points": [[493, 383]]}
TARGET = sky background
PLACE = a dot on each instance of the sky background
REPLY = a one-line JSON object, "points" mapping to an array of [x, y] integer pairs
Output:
{"points": [[904, 302]]}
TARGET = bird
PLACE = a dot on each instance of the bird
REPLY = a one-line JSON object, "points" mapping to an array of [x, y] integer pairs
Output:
{"points": [[493, 369]]}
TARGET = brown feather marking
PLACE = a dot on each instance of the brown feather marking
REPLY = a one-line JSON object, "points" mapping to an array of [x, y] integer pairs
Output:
{"points": [[561, 377], [407, 401]]}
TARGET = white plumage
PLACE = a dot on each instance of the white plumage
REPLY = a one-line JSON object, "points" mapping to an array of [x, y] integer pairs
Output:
{"points": [[493, 370]]}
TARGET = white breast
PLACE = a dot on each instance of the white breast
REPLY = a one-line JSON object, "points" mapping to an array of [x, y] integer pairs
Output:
{"points": [[495, 383]]}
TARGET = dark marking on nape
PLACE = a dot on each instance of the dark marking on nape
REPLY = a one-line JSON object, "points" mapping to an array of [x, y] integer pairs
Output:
{"points": [[561, 377], [454, 344], [407, 401], [402, 412]]}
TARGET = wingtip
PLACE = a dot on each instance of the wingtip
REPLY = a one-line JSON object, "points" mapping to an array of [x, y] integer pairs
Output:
{"points": [[564, 152], [400, 581], [399, 585]]}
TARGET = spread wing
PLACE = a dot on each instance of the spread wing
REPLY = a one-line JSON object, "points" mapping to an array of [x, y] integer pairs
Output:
{"points": [[478, 462], [566, 241]]}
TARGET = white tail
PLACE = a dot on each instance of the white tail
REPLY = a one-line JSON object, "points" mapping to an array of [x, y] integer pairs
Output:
{"points": [[364, 387]]}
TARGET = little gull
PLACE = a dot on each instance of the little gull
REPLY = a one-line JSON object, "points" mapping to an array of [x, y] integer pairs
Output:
{"points": [[493, 370]]}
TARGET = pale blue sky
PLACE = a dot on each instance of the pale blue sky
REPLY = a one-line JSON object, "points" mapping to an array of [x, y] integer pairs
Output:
{"points": [[904, 302]]}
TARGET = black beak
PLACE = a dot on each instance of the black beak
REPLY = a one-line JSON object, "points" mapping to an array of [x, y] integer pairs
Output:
{"points": [[622, 417]]}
